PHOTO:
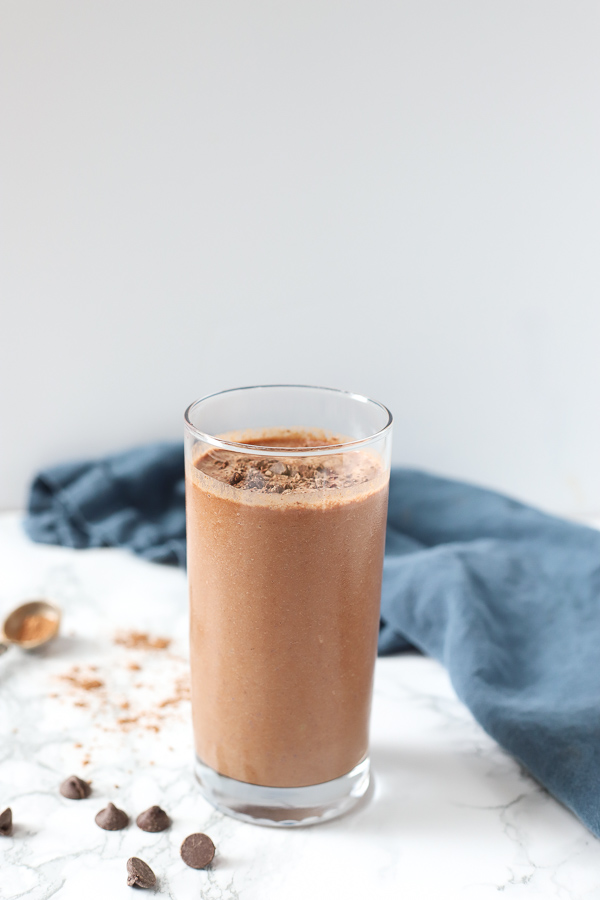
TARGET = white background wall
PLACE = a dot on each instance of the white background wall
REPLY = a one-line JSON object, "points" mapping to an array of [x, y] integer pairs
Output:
{"points": [[399, 198]]}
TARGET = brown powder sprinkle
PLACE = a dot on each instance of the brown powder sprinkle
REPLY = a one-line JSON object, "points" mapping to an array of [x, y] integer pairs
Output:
{"points": [[152, 719], [171, 701], [86, 684], [88, 688], [140, 640], [181, 692], [36, 628]]}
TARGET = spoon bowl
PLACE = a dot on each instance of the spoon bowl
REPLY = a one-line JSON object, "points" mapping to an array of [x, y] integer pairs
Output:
{"points": [[15, 625]]}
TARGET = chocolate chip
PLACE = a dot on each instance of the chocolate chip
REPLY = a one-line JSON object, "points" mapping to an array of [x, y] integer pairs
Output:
{"points": [[112, 819], [153, 819], [6, 826], [139, 873], [74, 788], [197, 851], [235, 478]]}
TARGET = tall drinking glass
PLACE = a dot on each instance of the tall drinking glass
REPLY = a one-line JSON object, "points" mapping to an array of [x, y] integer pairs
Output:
{"points": [[286, 497]]}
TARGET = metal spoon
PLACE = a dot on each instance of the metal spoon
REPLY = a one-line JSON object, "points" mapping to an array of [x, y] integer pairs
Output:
{"points": [[12, 625]]}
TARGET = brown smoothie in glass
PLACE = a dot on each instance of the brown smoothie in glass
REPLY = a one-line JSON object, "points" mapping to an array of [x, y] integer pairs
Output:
{"points": [[285, 561]]}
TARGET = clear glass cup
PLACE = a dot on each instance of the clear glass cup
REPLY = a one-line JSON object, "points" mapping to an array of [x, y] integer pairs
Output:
{"points": [[286, 499]]}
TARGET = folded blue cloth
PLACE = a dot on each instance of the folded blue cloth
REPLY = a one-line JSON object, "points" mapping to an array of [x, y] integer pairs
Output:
{"points": [[134, 499], [506, 597]]}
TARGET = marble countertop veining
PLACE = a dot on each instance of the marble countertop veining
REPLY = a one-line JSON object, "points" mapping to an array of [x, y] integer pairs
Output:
{"points": [[450, 815]]}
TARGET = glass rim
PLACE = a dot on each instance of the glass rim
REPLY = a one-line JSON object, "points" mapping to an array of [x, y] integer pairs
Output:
{"points": [[263, 450]]}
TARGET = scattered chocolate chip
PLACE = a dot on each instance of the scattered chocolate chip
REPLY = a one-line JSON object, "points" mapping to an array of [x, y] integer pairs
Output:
{"points": [[6, 826], [139, 873], [112, 819], [235, 478], [197, 851], [74, 788], [153, 819]]}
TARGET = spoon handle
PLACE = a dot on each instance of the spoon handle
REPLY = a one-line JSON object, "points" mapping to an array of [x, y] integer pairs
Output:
{"points": [[3, 648]]}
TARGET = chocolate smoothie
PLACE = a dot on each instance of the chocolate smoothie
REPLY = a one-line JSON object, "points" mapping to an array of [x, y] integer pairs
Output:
{"points": [[285, 559]]}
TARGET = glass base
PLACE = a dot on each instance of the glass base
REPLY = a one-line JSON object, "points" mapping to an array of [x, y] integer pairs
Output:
{"points": [[284, 807]]}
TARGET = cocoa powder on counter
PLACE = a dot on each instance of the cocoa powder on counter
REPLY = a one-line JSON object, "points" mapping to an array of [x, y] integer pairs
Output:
{"points": [[140, 640]]}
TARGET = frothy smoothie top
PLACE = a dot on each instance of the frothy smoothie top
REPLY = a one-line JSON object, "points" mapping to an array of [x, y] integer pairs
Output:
{"points": [[283, 474]]}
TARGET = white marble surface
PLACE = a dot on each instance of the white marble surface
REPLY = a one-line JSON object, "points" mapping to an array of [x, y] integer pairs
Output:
{"points": [[450, 815]]}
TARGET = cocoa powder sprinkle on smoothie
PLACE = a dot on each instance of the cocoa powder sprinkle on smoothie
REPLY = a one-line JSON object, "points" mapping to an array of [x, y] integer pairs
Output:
{"points": [[251, 473]]}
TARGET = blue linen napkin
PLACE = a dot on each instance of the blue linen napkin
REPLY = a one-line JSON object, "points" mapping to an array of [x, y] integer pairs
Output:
{"points": [[134, 499], [506, 597]]}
